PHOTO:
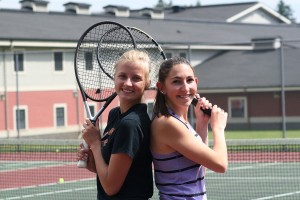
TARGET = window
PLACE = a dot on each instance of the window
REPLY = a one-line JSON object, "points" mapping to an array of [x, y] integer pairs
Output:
{"points": [[92, 109], [18, 61], [58, 61], [182, 54], [60, 116], [20, 118], [150, 109], [168, 54], [237, 107], [92, 106], [88, 57]]}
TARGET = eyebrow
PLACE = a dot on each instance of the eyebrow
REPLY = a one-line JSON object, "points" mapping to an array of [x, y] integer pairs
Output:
{"points": [[178, 77]]}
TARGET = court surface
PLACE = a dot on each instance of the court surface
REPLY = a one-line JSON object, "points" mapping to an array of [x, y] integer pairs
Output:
{"points": [[242, 181]]}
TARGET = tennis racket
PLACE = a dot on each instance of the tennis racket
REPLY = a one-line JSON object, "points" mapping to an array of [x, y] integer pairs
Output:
{"points": [[157, 56], [206, 111], [145, 43], [109, 40]]}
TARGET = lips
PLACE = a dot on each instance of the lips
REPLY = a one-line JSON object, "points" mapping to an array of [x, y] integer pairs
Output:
{"points": [[185, 96], [127, 91]]}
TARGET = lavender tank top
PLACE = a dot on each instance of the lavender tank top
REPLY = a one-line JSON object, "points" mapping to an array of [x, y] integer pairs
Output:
{"points": [[177, 177]]}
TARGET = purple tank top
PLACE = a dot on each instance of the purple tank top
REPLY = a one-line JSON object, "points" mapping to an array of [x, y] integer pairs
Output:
{"points": [[177, 177]]}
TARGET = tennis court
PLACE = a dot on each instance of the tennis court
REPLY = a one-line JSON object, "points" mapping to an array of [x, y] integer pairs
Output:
{"points": [[39, 169]]}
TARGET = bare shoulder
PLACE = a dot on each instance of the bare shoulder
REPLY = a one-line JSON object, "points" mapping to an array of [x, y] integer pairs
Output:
{"points": [[166, 126]]}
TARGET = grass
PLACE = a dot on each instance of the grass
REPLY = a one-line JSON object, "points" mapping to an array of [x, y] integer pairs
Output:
{"points": [[260, 134]]}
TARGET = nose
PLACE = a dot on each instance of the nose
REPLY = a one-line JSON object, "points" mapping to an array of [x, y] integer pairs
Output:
{"points": [[128, 82], [185, 86]]}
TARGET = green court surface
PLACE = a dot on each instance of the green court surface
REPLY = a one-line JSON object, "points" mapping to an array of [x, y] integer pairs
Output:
{"points": [[248, 181], [255, 181], [258, 170]]}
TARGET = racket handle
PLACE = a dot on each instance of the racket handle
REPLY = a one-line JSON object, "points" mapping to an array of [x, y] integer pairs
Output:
{"points": [[83, 163], [205, 111]]}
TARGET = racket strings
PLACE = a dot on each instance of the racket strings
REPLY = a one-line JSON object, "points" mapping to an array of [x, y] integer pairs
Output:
{"points": [[155, 53], [113, 44], [97, 85]]}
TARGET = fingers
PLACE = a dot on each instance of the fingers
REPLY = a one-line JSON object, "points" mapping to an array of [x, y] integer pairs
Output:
{"points": [[86, 125], [218, 108], [81, 153], [204, 103], [97, 122]]}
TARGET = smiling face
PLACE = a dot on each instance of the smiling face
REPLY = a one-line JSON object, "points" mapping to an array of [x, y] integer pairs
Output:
{"points": [[130, 81], [180, 86]]}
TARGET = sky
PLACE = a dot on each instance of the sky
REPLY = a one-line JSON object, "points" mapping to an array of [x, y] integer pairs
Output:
{"points": [[97, 5]]}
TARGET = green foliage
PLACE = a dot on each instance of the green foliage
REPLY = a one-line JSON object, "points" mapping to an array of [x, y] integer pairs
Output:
{"points": [[260, 134], [162, 4], [285, 10]]}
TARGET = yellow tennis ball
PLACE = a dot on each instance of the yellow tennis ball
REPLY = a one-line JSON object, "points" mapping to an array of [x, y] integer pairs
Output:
{"points": [[57, 150], [61, 180]]}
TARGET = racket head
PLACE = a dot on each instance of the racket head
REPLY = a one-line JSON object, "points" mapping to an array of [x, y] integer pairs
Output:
{"points": [[93, 81], [112, 45], [156, 54]]}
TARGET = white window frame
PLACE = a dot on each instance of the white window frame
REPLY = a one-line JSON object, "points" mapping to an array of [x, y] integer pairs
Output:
{"points": [[53, 59], [13, 61], [176, 53], [21, 107], [65, 114], [169, 52], [183, 52], [85, 54], [94, 104], [238, 119]]}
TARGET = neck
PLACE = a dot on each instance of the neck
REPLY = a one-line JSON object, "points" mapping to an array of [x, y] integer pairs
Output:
{"points": [[182, 114], [125, 106]]}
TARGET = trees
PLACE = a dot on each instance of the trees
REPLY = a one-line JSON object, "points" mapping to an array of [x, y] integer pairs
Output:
{"points": [[285, 10], [163, 4]]}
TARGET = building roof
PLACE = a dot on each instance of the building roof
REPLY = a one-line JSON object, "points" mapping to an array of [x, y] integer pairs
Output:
{"points": [[26, 25], [231, 12], [239, 71], [250, 69], [219, 12]]}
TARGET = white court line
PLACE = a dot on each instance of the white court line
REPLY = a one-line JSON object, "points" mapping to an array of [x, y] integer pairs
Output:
{"points": [[45, 185], [17, 166], [252, 178], [246, 167], [49, 193], [278, 196]]}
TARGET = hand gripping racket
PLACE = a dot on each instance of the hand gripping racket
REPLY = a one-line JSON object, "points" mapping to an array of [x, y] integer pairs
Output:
{"points": [[110, 39], [206, 111]]}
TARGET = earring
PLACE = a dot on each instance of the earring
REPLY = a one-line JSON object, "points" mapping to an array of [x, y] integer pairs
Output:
{"points": [[163, 92]]}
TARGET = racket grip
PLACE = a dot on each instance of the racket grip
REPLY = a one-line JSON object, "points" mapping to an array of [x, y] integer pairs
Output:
{"points": [[205, 111], [83, 163]]}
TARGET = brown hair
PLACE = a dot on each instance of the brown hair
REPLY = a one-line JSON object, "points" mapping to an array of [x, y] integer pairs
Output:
{"points": [[160, 106]]}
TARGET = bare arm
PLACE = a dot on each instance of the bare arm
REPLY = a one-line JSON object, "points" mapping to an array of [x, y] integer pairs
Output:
{"points": [[202, 119], [169, 135], [111, 176], [86, 155]]}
